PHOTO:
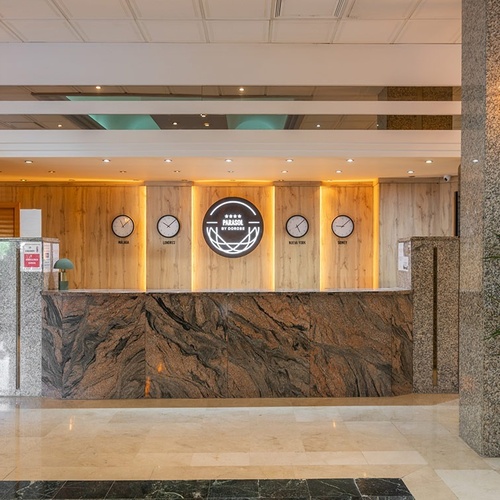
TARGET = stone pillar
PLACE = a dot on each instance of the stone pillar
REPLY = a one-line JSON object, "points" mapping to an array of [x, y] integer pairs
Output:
{"points": [[479, 221]]}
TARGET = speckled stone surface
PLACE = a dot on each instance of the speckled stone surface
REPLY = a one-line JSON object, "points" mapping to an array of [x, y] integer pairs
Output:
{"points": [[420, 278], [20, 372], [479, 222], [8, 317], [414, 122], [196, 345]]}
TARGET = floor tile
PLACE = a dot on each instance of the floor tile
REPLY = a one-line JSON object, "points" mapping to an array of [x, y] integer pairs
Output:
{"points": [[413, 437], [472, 484]]}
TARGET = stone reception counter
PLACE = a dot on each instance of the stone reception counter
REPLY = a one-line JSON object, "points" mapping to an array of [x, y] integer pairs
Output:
{"points": [[111, 344]]}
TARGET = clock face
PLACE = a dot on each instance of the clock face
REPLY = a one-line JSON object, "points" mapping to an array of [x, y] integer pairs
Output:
{"points": [[342, 226], [122, 226], [297, 226], [168, 226]]}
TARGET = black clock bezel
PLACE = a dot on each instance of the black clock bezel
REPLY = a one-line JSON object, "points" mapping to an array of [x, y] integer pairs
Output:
{"points": [[158, 226], [289, 219], [122, 235], [337, 217]]}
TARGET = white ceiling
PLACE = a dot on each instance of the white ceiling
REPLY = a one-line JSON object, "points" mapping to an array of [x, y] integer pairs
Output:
{"points": [[228, 24], [231, 21]]}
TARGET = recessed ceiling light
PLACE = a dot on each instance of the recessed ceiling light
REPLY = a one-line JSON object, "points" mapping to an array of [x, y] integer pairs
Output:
{"points": [[338, 171], [177, 171], [28, 161], [289, 160], [174, 123], [98, 87], [230, 171], [59, 125], [168, 160], [318, 125], [23, 180], [228, 160], [123, 171], [206, 124], [203, 115], [475, 161], [411, 171], [106, 160], [284, 171], [428, 161], [349, 160], [52, 171], [242, 89]]}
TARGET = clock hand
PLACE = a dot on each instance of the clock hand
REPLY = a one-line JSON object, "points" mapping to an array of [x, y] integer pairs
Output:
{"points": [[297, 226]]}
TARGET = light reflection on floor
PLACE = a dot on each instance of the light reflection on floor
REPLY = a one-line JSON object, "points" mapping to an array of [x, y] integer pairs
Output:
{"points": [[411, 437]]}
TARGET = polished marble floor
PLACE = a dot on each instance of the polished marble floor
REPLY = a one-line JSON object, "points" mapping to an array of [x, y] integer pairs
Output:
{"points": [[412, 437], [218, 489]]}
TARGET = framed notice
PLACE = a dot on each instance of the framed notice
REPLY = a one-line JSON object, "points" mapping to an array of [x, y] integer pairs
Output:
{"points": [[47, 257], [31, 256]]}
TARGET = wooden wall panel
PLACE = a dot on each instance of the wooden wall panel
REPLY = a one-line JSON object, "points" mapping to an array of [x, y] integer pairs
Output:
{"points": [[169, 259], [412, 208], [347, 262], [80, 217], [297, 259], [9, 220], [254, 271]]}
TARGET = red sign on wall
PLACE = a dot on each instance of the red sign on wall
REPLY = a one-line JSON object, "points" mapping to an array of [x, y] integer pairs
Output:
{"points": [[31, 257]]}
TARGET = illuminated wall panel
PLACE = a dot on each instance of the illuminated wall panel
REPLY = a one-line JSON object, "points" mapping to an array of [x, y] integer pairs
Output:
{"points": [[254, 271]]}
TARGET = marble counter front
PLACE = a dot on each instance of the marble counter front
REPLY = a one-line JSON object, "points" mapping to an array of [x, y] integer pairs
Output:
{"points": [[130, 344]]}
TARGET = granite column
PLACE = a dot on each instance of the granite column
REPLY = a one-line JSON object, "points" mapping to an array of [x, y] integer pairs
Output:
{"points": [[479, 225]]}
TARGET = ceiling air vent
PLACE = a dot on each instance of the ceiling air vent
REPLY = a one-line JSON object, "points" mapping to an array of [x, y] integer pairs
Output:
{"points": [[339, 10], [277, 10], [312, 9]]}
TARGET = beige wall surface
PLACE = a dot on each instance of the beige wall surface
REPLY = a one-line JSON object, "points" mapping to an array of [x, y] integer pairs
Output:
{"points": [[80, 217], [297, 259], [423, 207], [347, 262], [254, 271], [168, 259]]}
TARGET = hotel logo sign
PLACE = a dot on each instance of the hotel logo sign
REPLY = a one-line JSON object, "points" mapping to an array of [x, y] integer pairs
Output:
{"points": [[233, 227]]}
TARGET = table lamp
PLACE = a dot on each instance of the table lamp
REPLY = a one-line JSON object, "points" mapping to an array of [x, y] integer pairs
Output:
{"points": [[62, 265]]}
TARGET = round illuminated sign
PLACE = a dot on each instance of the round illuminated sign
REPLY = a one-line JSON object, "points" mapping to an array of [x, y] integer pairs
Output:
{"points": [[233, 227]]}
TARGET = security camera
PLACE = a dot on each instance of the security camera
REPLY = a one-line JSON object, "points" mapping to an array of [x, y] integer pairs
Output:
{"points": [[447, 178]]}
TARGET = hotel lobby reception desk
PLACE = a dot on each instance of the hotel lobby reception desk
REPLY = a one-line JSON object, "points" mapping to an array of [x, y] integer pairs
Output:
{"points": [[104, 345]]}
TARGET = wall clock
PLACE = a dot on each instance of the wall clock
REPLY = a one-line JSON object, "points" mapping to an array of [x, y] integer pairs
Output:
{"points": [[168, 226], [342, 226], [297, 226], [122, 226]]}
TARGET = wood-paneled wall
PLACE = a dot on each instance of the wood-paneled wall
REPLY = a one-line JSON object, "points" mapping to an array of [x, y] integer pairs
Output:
{"points": [[80, 217], [413, 207], [255, 271], [297, 260], [169, 259], [347, 262], [9, 220]]}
